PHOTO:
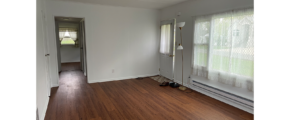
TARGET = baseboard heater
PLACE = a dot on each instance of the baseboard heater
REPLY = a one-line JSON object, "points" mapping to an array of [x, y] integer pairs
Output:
{"points": [[239, 102]]}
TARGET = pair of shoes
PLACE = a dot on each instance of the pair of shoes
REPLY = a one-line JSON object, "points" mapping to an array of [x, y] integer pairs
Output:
{"points": [[164, 84], [173, 84]]}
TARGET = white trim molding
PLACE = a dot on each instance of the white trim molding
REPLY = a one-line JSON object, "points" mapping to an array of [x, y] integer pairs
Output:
{"points": [[70, 61], [120, 78], [54, 85], [227, 101]]}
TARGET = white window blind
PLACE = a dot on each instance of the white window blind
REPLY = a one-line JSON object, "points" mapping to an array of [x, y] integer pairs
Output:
{"points": [[165, 39], [224, 47]]}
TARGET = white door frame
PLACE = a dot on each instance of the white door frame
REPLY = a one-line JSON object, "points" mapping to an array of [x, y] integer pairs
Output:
{"points": [[57, 46], [56, 71], [83, 46], [46, 54]]}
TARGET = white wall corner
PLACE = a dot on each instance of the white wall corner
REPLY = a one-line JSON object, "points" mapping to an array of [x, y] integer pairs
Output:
{"points": [[42, 115]]}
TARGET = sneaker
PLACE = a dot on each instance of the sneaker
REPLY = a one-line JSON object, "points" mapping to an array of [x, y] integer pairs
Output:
{"points": [[164, 84]]}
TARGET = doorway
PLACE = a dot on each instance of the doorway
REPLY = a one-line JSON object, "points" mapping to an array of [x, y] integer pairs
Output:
{"points": [[71, 45], [167, 48]]}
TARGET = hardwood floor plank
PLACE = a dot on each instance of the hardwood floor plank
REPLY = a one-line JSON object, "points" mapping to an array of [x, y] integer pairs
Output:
{"points": [[131, 99]]}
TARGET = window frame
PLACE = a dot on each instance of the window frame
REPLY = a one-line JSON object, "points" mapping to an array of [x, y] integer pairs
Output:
{"points": [[171, 45], [209, 43], [66, 30]]}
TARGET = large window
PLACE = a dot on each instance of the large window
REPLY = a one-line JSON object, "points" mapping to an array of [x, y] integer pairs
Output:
{"points": [[224, 47], [201, 45]]}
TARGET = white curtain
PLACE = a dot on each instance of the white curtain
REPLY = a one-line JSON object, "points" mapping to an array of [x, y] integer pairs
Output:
{"points": [[73, 34], [230, 54], [165, 39], [67, 32], [61, 34], [201, 41]]}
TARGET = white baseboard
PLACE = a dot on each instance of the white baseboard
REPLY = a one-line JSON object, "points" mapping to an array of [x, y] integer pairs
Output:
{"points": [[120, 78], [54, 85], [69, 61], [42, 115], [187, 83], [227, 101]]}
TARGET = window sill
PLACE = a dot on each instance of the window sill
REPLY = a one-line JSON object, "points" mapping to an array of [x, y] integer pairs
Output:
{"points": [[243, 92]]}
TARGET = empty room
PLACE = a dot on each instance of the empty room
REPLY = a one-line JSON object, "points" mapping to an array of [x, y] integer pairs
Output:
{"points": [[145, 59]]}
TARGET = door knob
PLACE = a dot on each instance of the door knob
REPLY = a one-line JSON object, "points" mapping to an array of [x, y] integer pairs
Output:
{"points": [[171, 55], [46, 54]]}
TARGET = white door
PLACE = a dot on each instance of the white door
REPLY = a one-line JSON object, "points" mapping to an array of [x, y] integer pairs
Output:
{"points": [[167, 49], [48, 83]]}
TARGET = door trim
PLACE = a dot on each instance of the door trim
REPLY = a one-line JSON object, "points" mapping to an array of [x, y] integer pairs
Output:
{"points": [[46, 54], [54, 46]]}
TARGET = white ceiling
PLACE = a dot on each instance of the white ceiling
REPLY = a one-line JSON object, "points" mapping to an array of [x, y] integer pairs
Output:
{"points": [[152, 4]]}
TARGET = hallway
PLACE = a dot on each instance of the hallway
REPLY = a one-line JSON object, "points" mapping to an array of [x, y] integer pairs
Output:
{"points": [[65, 100], [70, 66]]}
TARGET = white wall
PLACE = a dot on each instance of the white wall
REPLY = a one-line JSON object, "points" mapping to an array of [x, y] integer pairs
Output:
{"points": [[69, 53], [119, 38], [41, 85]]}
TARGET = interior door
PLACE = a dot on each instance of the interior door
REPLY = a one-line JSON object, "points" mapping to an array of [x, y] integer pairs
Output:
{"points": [[167, 49], [46, 51]]}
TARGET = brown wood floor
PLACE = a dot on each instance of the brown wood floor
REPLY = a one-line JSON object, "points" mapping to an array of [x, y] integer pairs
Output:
{"points": [[132, 99], [70, 66]]}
